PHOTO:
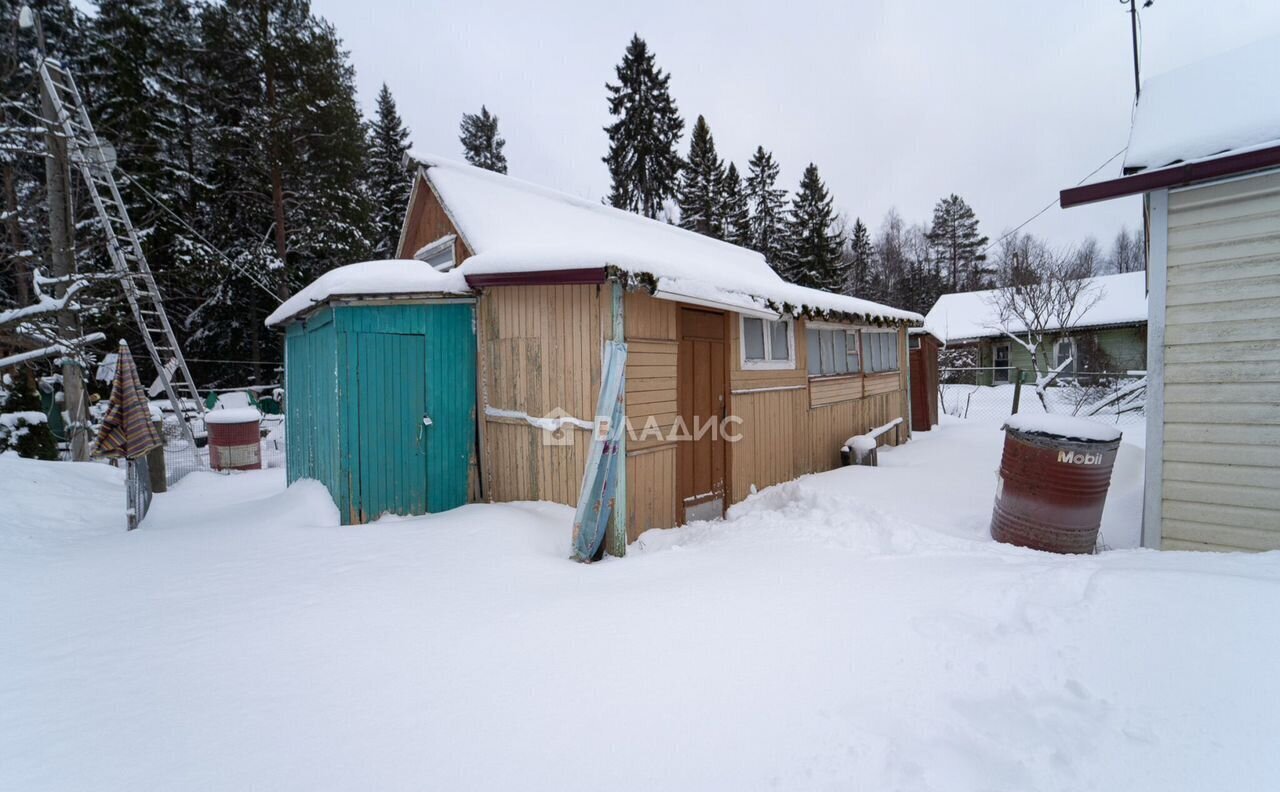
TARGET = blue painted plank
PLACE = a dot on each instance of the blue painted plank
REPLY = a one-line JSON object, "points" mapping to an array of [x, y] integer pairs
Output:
{"points": [[597, 498]]}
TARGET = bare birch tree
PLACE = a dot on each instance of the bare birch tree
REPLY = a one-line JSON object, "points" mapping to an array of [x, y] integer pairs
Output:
{"points": [[1046, 294]]}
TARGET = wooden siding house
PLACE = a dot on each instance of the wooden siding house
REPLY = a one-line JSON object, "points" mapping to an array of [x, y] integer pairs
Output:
{"points": [[1204, 153], [1110, 337], [711, 332]]}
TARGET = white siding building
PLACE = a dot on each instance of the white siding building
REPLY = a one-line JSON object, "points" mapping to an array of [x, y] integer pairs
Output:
{"points": [[1205, 153]]}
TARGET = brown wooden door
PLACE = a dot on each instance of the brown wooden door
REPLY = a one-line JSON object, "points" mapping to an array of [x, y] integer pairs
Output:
{"points": [[919, 390], [700, 392]]}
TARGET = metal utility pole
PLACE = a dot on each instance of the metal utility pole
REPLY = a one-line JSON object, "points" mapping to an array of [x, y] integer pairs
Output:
{"points": [[1133, 29]]}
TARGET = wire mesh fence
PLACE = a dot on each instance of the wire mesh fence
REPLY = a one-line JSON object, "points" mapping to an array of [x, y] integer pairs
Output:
{"points": [[182, 456], [990, 393]]}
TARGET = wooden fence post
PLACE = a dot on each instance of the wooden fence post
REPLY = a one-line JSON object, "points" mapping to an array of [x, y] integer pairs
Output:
{"points": [[1017, 390]]}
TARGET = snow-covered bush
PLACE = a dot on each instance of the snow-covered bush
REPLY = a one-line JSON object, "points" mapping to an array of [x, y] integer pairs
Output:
{"points": [[24, 427], [957, 364]]}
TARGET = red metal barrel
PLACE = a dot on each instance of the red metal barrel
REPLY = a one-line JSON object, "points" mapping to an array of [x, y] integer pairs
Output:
{"points": [[234, 438], [1053, 483]]}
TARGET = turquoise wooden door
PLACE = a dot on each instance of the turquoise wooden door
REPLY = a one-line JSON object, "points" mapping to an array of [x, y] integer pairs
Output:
{"points": [[391, 437], [451, 403]]}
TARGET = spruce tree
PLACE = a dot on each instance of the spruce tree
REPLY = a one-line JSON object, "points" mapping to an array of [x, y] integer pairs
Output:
{"points": [[737, 216], [768, 205], [481, 143], [813, 253], [701, 184], [642, 159], [24, 241], [957, 246], [389, 180], [861, 261], [287, 164], [140, 75]]}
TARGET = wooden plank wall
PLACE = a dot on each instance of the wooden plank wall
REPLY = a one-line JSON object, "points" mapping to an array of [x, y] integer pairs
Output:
{"points": [[792, 425], [540, 350], [1221, 452], [652, 345], [426, 221]]}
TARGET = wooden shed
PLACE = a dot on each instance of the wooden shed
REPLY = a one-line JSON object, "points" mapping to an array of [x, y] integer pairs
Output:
{"points": [[923, 354], [711, 335], [380, 388], [1204, 153]]}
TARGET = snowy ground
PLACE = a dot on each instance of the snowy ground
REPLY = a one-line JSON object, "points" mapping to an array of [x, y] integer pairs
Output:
{"points": [[995, 402], [829, 635]]}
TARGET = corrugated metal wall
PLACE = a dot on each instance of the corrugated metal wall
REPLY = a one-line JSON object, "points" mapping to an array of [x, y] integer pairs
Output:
{"points": [[358, 387]]}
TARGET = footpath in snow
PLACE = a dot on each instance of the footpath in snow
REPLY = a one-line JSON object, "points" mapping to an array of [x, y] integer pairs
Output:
{"points": [[853, 630]]}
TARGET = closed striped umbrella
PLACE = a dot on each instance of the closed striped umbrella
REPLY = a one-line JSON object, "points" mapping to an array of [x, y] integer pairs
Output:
{"points": [[127, 430]]}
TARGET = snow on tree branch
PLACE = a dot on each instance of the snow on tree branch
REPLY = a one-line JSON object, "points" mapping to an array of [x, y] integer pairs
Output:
{"points": [[1048, 295]]}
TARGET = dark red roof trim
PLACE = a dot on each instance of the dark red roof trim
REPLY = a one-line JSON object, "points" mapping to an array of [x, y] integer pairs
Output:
{"points": [[1172, 176], [564, 277]]}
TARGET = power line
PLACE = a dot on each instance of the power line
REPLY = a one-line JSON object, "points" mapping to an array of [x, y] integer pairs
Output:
{"points": [[1052, 203], [200, 237]]}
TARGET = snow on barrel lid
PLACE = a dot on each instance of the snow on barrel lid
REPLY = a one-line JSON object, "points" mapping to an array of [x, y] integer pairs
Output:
{"points": [[233, 415], [1065, 426], [370, 278]]}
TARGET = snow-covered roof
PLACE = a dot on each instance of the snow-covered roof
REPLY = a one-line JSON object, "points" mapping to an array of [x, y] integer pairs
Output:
{"points": [[370, 279], [1226, 104], [969, 315], [512, 226]]}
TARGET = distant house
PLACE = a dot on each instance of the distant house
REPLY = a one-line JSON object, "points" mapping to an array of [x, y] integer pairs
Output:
{"points": [[711, 334], [1111, 336], [1204, 153]]}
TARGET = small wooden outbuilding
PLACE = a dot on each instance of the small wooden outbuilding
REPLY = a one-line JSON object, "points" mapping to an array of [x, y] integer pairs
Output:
{"points": [[380, 388], [712, 336], [923, 354]]}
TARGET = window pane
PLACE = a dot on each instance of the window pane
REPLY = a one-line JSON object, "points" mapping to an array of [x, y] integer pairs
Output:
{"points": [[781, 340], [1064, 352], [1002, 355], [841, 352], [854, 358], [753, 338], [814, 352], [891, 341], [442, 259], [871, 341], [828, 365]]}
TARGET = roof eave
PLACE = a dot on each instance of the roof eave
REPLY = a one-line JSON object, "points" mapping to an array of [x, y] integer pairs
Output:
{"points": [[1076, 329], [563, 277], [305, 314], [1179, 175]]}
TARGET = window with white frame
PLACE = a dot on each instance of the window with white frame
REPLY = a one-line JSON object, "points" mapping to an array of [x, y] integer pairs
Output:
{"points": [[767, 343], [1000, 371], [1065, 350], [880, 350], [438, 254], [832, 351]]}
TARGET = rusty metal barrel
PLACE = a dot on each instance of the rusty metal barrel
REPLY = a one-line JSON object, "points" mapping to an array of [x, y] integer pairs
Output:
{"points": [[235, 438], [1053, 482]]}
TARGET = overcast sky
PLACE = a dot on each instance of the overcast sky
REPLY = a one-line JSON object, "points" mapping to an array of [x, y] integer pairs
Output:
{"points": [[899, 103]]}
